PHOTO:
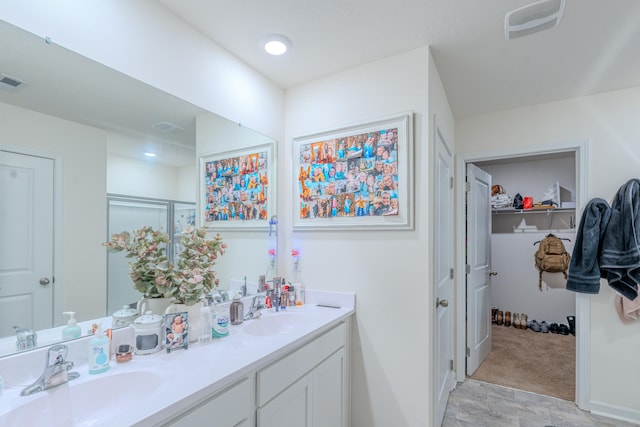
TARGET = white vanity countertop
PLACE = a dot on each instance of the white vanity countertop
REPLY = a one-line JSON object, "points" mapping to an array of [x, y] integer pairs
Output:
{"points": [[171, 382]]}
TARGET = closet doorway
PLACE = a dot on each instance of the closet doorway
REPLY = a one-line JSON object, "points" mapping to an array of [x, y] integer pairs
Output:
{"points": [[512, 280]]}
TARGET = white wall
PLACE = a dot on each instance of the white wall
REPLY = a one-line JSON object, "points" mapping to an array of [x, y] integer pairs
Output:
{"points": [[387, 270], [84, 157], [187, 177], [534, 177], [515, 288], [609, 122], [133, 177]]}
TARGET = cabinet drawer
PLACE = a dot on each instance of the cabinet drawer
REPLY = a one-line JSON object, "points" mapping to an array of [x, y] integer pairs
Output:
{"points": [[229, 408], [284, 372]]}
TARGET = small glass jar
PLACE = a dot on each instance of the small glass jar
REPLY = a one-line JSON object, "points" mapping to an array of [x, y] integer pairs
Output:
{"points": [[236, 311]]}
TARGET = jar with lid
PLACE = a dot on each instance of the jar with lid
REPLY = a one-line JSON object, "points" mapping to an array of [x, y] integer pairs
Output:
{"points": [[236, 311]]}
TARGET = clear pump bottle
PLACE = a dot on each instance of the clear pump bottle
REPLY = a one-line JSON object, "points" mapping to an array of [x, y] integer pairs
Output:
{"points": [[206, 334]]}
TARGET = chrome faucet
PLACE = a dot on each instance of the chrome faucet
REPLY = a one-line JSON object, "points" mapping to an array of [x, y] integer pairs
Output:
{"points": [[26, 339], [56, 371], [222, 296], [257, 303]]}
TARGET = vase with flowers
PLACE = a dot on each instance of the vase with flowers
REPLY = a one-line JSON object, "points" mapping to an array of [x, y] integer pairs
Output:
{"points": [[185, 282]]}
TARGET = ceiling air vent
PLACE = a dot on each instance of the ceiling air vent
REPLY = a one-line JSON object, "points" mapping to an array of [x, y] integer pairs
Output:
{"points": [[532, 18], [166, 127], [9, 83]]}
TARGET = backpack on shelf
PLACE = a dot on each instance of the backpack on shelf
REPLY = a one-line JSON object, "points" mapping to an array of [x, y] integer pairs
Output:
{"points": [[551, 257]]}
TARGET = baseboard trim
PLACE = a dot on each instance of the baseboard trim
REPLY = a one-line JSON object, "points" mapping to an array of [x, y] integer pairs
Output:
{"points": [[616, 412]]}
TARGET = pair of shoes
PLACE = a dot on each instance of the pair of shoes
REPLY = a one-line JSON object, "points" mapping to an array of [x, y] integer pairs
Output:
{"points": [[544, 327], [520, 321], [507, 318], [572, 324], [494, 315], [554, 328], [563, 329], [515, 322], [500, 318], [534, 326]]}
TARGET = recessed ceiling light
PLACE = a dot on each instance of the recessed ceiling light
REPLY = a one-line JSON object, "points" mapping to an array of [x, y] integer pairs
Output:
{"points": [[150, 154], [276, 44]]}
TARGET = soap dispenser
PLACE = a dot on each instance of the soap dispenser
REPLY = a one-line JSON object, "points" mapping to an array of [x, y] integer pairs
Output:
{"points": [[99, 352], [72, 330]]}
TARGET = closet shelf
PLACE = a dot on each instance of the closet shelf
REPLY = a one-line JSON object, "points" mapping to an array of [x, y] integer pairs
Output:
{"points": [[530, 211]]}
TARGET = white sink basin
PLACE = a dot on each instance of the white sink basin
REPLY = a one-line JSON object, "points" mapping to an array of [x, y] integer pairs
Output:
{"points": [[274, 324], [83, 403]]}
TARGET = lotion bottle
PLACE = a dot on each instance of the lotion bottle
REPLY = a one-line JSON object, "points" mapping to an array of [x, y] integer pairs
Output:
{"points": [[236, 311], [72, 330], [99, 352]]}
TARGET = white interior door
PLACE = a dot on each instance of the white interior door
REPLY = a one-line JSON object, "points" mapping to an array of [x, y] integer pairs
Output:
{"points": [[478, 266], [26, 241], [443, 275]]}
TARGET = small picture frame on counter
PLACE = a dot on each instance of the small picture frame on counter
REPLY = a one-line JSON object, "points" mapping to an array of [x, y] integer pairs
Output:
{"points": [[176, 331]]}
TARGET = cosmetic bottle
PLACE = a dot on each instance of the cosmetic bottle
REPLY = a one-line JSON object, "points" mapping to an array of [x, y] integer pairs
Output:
{"points": [[300, 293], [99, 352], [236, 311], [284, 294], [207, 332], [72, 330]]}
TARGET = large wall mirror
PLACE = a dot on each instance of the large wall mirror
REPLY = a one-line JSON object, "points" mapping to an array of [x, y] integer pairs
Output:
{"points": [[90, 126]]}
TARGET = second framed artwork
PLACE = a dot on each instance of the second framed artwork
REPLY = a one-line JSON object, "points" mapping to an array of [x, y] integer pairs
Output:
{"points": [[237, 188], [357, 177]]}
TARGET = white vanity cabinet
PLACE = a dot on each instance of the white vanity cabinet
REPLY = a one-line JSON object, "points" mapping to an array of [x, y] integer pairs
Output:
{"points": [[309, 387], [262, 375], [228, 408]]}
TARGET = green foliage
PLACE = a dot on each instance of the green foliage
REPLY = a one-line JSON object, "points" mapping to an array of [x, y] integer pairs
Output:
{"points": [[154, 276]]}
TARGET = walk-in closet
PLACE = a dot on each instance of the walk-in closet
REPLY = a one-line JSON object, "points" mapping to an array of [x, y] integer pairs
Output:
{"points": [[538, 359]]}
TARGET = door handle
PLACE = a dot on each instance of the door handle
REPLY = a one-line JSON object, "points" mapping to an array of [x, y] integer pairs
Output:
{"points": [[44, 281], [493, 273], [441, 302]]}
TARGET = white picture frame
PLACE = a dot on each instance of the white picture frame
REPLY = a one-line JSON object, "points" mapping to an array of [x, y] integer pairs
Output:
{"points": [[327, 194]]}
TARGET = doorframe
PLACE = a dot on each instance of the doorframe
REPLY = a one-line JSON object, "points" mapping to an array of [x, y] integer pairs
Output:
{"points": [[57, 219], [583, 302]]}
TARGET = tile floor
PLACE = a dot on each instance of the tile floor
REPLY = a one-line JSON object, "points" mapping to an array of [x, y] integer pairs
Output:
{"points": [[475, 403]]}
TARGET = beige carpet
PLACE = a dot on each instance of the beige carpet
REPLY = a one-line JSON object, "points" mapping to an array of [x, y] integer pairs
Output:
{"points": [[531, 361]]}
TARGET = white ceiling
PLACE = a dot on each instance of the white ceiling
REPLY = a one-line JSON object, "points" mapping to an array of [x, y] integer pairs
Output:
{"points": [[595, 48]]}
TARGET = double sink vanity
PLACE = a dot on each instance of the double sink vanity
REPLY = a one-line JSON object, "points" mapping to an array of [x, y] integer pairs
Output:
{"points": [[287, 368]]}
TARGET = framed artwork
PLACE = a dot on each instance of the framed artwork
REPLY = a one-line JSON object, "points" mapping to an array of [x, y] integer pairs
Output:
{"points": [[357, 177], [176, 331], [236, 190]]}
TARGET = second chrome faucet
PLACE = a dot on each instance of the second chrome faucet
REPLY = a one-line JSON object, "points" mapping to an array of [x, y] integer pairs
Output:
{"points": [[56, 371]]}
